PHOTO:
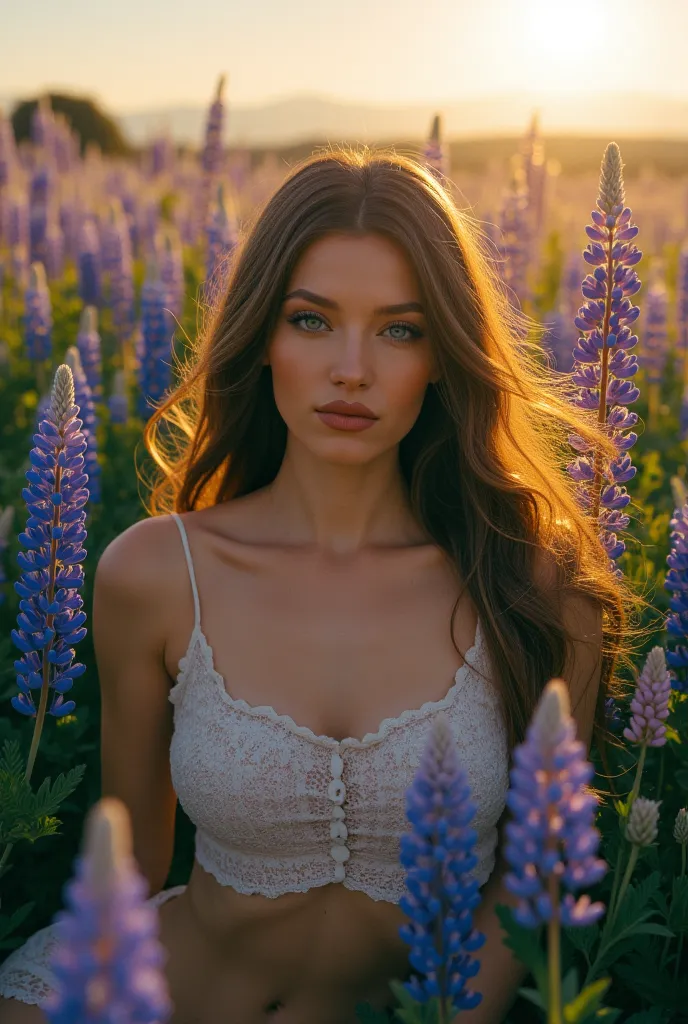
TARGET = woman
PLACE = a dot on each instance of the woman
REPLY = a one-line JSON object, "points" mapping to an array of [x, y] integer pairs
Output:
{"points": [[363, 451]]}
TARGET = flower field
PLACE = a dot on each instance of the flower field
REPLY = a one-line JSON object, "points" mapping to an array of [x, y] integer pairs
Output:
{"points": [[107, 265]]}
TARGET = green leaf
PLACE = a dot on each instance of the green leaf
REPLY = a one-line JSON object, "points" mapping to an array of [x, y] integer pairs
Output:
{"points": [[10, 922], [583, 939], [681, 777], [368, 1015], [653, 1016], [526, 944], [587, 1002], [569, 986], [678, 912], [533, 996]]}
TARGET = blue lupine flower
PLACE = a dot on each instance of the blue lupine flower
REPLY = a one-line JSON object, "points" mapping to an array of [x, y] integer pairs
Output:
{"points": [[118, 402], [211, 156], [169, 253], [681, 362], [551, 839], [612, 715], [435, 154], [155, 374], [83, 397], [88, 344], [559, 338], [221, 240], [108, 963], [38, 319], [515, 245], [600, 355], [655, 337], [676, 580], [438, 857], [50, 619], [89, 262]]}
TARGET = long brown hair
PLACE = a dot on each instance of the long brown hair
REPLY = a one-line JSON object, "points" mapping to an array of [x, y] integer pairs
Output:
{"points": [[484, 462]]}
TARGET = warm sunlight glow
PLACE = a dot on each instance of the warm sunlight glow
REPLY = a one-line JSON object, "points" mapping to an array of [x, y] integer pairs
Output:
{"points": [[564, 41]]}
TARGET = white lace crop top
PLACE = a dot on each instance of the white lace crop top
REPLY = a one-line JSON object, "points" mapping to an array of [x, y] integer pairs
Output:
{"points": [[280, 809]]}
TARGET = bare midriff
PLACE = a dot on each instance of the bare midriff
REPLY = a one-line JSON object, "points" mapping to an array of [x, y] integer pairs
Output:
{"points": [[300, 958]]}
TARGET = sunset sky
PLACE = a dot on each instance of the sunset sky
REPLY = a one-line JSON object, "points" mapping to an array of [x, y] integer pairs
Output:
{"points": [[142, 54]]}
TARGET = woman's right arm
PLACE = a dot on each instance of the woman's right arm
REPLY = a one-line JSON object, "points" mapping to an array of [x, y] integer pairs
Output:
{"points": [[131, 593]]}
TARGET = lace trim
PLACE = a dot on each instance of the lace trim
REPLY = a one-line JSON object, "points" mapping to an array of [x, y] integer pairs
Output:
{"points": [[26, 976], [268, 712]]}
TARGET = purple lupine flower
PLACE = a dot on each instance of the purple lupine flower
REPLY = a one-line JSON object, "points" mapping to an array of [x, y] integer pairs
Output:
{"points": [[6, 517], [83, 397], [118, 402], [119, 263], [89, 346], [8, 152], [435, 154], [89, 261], [681, 362], [612, 715], [515, 246], [650, 704], [602, 368], [655, 345], [559, 339], [221, 242], [50, 617], [42, 123], [442, 892], [108, 963], [211, 156], [38, 319], [54, 249], [676, 580], [169, 252], [155, 367], [551, 840]]}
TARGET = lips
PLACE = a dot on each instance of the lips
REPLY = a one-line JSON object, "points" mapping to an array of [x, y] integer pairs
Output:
{"points": [[349, 409]]}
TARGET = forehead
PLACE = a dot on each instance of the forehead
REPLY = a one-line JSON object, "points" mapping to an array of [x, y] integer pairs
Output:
{"points": [[372, 260]]}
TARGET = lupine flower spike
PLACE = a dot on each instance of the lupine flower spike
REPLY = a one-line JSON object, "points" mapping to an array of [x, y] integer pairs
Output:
{"points": [[641, 831], [438, 857], [50, 618], [676, 580], [108, 961], [601, 366], [650, 707], [552, 841]]}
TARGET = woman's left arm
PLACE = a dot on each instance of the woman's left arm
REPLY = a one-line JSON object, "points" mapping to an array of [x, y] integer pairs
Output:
{"points": [[501, 974]]}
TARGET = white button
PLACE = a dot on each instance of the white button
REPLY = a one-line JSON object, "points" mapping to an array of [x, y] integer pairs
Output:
{"points": [[337, 765], [339, 873], [338, 830], [338, 812], [340, 853], [336, 791]]}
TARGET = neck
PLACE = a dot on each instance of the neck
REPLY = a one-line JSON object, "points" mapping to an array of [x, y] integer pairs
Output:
{"points": [[341, 510]]}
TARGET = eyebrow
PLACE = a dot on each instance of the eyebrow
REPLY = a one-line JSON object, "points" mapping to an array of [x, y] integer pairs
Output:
{"points": [[402, 307]]}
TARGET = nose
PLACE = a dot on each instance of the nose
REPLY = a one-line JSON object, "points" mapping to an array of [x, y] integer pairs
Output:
{"points": [[351, 365]]}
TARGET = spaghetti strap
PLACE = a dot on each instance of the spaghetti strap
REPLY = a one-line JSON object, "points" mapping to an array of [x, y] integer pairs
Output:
{"points": [[189, 562]]}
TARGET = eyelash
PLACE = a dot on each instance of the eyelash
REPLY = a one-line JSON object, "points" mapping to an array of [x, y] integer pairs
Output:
{"points": [[310, 314]]}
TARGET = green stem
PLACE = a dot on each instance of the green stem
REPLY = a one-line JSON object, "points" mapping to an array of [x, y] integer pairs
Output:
{"points": [[615, 885], [624, 885], [638, 775], [679, 949], [554, 1014]]}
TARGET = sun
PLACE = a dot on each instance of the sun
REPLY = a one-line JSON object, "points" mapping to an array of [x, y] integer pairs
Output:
{"points": [[564, 39]]}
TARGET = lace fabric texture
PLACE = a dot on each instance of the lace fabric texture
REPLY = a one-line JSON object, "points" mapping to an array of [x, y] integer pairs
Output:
{"points": [[257, 785], [25, 974]]}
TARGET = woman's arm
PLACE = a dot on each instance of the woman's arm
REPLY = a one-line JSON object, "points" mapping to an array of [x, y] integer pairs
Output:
{"points": [[501, 974]]}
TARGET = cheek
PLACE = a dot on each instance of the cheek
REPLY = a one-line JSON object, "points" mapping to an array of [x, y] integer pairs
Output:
{"points": [[406, 390]]}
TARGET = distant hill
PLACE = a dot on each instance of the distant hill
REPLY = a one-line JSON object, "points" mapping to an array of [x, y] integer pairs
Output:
{"points": [[300, 118]]}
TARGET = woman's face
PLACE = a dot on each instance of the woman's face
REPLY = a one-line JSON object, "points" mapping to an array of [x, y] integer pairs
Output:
{"points": [[341, 346]]}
